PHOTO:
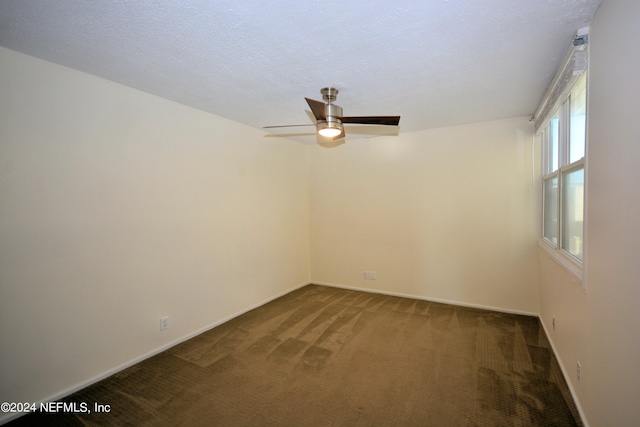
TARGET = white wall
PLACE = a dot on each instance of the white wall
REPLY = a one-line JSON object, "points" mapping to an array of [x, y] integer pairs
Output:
{"points": [[445, 214], [600, 325], [118, 208]]}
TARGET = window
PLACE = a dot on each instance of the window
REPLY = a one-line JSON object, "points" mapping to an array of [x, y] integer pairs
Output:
{"points": [[562, 122], [564, 140]]}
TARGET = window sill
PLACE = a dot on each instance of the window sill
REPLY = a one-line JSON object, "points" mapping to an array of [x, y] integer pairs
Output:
{"points": [[568, 263]]}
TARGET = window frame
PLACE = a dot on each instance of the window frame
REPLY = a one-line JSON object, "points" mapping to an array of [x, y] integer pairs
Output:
{"points": [[556, 250]]}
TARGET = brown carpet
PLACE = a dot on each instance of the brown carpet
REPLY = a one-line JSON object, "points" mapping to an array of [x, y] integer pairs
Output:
{"points": [[323, 356]]}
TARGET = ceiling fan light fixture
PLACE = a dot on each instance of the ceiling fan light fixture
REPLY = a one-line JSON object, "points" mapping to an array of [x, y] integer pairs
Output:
{"points": [[330, 128], [330, 120]]}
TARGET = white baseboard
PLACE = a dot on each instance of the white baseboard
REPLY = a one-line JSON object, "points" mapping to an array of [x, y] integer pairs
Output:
{"points": [[565, 374], [546, 331], [66, 392], [158, 350], [443, 301]]}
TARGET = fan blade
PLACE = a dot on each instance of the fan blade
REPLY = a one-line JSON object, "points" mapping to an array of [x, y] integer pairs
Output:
{"points": [[317, 107], [373, 120], [285, 126]]}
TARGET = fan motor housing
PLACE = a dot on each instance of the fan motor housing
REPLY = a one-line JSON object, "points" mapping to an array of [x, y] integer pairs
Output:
{"points": [[333, 112]]}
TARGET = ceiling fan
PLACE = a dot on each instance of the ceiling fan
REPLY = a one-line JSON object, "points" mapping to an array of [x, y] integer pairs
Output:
{"points": [[329, 118]]}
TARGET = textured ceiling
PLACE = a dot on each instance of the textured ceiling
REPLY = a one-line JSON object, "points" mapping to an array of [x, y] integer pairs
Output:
{"points": [[436, 63]]}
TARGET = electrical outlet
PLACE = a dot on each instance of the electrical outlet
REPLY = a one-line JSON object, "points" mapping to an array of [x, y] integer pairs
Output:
{"points": [[369, 275], [553, 323], [579, 371], [164, 323]]}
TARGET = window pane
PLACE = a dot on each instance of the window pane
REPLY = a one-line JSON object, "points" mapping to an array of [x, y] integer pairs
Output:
{"points": [[573, 211], [578, 119], [554, 142], [551, 209]]}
